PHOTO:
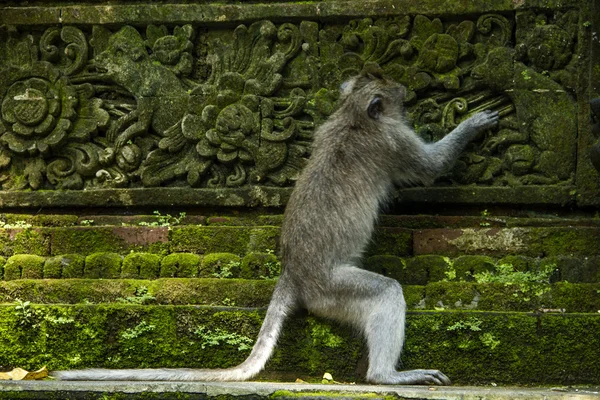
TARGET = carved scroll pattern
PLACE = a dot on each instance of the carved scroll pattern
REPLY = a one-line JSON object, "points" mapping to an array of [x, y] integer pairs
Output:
{"points": [[177, 106]]}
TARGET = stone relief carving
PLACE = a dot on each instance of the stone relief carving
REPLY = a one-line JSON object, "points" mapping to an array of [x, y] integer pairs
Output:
{"points": [[94, 107]]}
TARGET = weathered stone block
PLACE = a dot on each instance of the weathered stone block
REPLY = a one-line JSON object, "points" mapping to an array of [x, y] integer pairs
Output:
{"points": [[180, 265], [103, 265]]}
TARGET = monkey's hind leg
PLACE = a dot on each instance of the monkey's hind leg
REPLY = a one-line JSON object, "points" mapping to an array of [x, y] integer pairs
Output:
{"points": [[376, 305]]}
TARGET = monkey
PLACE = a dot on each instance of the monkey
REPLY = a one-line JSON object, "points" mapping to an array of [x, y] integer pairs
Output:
{"points": [[360, 154]]}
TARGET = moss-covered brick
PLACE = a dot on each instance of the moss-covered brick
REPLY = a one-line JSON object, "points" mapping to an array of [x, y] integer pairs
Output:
{"points": [[73, 265], [259, 265], [46, 220], [220, 265], [436, 268], [574, 269], [397, 268], [53, 267], [31, 241], [85, 240], [532, 242], [26, 266], [263, 239], [210, 239], [514, 347], [519, 263], [391, 241], [180, 265], [141, 265], [466, 266], [102, 265]]}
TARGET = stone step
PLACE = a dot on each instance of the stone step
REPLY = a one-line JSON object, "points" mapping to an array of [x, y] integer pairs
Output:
{"points": [[471, 347], [401, 236], [50, 390], [493, 296]]}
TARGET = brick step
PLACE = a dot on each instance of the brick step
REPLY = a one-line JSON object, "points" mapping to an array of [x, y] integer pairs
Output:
{"points": [[403, 236], [470, 347], [525, 296], [51, 390], [417, 270]]}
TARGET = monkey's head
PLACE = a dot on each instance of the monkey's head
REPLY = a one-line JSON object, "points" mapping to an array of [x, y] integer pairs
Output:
{"points": [[372, 94]]}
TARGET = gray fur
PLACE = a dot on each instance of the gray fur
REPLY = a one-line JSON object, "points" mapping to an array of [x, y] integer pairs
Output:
{"points": [[360, 153]]}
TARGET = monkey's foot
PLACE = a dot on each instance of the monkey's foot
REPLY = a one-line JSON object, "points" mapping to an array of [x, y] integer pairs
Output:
{"points": [[413, 377]]}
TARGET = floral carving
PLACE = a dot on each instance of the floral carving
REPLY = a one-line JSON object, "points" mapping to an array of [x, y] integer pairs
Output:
{"points": [[176, 105]]}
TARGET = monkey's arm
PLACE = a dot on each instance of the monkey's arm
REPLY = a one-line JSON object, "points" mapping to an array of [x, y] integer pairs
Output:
{"points": [[442, 154]]}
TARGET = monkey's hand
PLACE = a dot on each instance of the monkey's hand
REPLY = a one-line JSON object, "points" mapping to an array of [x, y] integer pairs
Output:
{"points": [[480, 122]]}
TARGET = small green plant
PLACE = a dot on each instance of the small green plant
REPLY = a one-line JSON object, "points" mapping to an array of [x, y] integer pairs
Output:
{"points": [[489, 340], [210, 338], [228, 302], [86, 222], [166, 220], [525, 75], [141, 296], [15, 225], [528, 283], [225, 270], [25, 314], [473, 324], [587, 24], [137, 331]]}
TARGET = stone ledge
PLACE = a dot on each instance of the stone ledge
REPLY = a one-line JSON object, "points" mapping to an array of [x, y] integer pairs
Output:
{"points": [[236, 13], [267, 196], [264, 390]]}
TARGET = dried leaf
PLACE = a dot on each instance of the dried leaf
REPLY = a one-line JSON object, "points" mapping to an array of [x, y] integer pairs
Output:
{"points": [[19, 374]]}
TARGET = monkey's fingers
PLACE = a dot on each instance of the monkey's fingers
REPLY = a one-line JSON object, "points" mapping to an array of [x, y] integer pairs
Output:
{"points": [[437, 377]]}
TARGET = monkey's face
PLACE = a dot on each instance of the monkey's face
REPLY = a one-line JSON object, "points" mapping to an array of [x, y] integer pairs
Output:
{"points": [[377, 95]]}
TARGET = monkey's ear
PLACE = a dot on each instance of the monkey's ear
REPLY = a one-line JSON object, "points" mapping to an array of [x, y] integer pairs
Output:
{"points": [[375, 107]]}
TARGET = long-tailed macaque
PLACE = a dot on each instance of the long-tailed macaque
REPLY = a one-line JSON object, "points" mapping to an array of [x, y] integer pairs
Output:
{"points": [[360, 153]]}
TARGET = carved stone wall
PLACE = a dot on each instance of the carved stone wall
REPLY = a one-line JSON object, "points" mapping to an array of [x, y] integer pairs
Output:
{"points": [[219, 103]]}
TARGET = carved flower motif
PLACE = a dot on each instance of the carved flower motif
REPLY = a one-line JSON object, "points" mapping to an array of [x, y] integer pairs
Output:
{"points": [[41, 115], [228, 138], [173, 51]]}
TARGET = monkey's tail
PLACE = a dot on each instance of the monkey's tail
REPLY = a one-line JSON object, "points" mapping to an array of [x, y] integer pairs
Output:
{"points": [[280, 306]]}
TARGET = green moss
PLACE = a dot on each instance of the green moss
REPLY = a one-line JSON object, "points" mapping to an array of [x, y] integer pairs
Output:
{"points": [[391, 241], [53, 267], [72, 265], [259, 265], [204, 240], [2, 263], [466, 266], [220, 265], [437, 267], [519, 263], [180, 265], [85, 240], [24, 266], [141, 265], [31, 241], [102, 265], [263, 239]]}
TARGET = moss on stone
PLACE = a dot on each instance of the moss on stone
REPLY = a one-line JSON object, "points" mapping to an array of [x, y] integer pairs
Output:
{"points": [[263, 239], [102, 265], [24, 266], [259, 265], [53, 267], [467, 266], [437, 268], [73, 265], [31, 241], [85, 240], [519, 263], [207, 239], [180, 265], [391, 241], [141, 265], [2, 263], [220, 265]]}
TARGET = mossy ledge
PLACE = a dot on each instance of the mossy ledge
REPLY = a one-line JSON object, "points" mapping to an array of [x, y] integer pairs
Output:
{"points": [[513, 347], [562, 297]]}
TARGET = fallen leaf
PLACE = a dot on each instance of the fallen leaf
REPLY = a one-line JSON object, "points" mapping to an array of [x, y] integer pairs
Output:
{"points": [[19, 374]]}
